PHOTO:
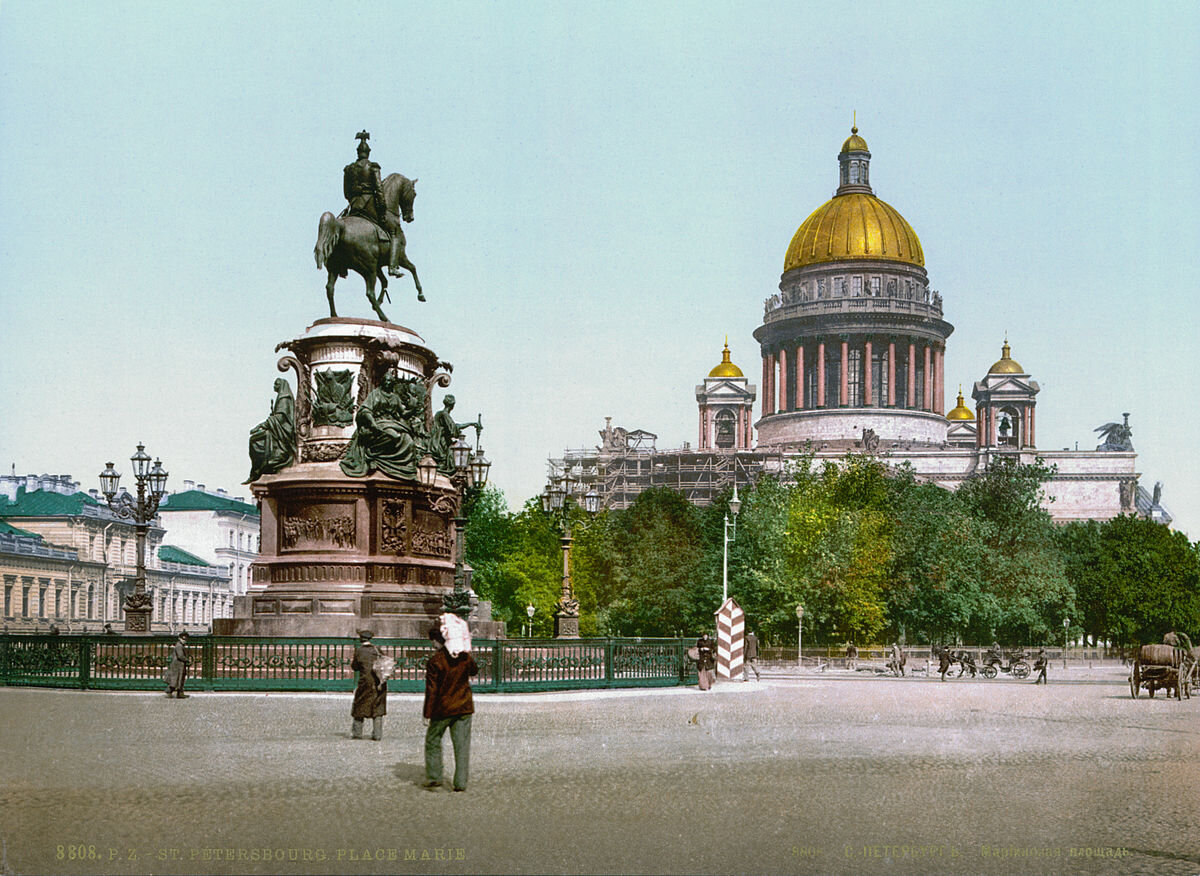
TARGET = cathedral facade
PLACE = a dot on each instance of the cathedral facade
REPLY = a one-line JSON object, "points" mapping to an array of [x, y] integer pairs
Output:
{"points": [[853, 349]]}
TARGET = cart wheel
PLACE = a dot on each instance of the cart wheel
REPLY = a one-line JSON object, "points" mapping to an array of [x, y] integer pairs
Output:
{"points": [[988, 671], [1133, 688], [1020, 670], [1135, 679]]}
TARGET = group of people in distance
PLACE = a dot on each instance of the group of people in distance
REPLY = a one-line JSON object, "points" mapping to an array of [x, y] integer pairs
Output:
{"points": [[705, 657]]}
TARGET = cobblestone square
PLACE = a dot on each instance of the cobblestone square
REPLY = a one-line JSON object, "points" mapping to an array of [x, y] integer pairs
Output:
{"points": [[826, 774]]}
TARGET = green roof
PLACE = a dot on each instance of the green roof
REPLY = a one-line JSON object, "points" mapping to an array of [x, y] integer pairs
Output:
{"points": [[9, 529], [46, 503], [195, 500], [168, 553]]}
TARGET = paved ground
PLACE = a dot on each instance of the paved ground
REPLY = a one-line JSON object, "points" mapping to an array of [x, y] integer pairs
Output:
{"points": [[825, 774]]}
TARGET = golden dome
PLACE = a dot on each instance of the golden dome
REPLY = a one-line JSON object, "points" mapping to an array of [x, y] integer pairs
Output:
{"points": [[854, 143], [726, 368], [1006, 364], [855, 225], [961, 412]]}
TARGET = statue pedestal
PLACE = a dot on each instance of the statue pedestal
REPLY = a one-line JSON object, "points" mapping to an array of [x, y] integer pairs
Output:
{"points": [[341, 553]]}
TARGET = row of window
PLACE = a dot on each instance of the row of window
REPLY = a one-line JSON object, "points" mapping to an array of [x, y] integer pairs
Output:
{"points": [[53, 602], [246, 541], [859, 286]]}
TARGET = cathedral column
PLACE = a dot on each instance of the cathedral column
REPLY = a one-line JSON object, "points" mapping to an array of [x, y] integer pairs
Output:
{"points": [[782, 404], [1032, 415], [912, 375], [844, 394], [800, 377], [939, 389], [867, 374], [891, 398], [765, 382], [928, 379], [703, 427], [821, 374]]}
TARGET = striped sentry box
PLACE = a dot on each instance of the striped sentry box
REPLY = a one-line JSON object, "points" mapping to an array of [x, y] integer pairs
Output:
{"points": [[731, 636]]}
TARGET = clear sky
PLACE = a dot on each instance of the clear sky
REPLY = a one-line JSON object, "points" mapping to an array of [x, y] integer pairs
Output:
{"points": [[606, 191]]}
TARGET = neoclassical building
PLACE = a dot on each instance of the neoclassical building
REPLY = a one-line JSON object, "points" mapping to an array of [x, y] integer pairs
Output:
{"points": [[853, 347], [853, 360]]}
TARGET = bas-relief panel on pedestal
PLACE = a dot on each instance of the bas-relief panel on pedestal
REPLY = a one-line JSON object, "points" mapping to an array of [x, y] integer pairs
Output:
{"points": [[317, 527]]}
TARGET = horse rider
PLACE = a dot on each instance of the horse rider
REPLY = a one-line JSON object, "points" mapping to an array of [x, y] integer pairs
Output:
{"points": [[363, 188], [994, 655]]}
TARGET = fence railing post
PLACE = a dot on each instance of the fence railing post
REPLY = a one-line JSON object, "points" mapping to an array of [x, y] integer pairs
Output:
{"points": [[609, 671], [85, 662], [208, 664], [498, 665]]}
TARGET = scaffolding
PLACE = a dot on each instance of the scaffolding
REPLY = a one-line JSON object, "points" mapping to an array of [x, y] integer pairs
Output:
{"points": [[628, 462]]}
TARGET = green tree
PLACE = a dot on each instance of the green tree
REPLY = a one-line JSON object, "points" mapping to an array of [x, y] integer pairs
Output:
{"points": [[655, 550], [1147, 582]]}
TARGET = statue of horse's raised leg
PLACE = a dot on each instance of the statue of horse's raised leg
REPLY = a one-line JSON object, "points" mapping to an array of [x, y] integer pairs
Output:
{"points": [[405, 263]]}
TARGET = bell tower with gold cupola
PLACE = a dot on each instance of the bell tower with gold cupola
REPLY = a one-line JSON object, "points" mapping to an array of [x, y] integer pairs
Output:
{"points": [[726, 400], [1005, 405], [853, 344]]}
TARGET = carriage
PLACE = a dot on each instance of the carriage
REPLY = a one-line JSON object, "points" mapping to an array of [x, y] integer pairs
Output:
{"points": [[1163, 667]]}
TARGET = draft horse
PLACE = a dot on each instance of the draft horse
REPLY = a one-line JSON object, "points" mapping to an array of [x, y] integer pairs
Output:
{"points": [[351, 243]]}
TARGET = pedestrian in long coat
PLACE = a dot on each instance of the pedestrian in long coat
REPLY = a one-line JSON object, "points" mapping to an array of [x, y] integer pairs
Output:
{"points": [[944, 661], [370, 696], [177, 670], [449, 705], [706, 662], [1040, 667]]}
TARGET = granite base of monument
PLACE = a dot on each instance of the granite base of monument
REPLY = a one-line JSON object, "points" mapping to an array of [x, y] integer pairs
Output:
{"points": [[341, 552]]}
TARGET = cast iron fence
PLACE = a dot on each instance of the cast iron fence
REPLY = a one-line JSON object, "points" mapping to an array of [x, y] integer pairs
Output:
{"points": [[227, 663]]}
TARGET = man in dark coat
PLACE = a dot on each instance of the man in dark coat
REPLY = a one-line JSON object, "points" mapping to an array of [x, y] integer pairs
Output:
{"points": [[448, 706], [750, 658], [370, 696], [176, 674], [706, 661], [1040, 667], [944, 660]]}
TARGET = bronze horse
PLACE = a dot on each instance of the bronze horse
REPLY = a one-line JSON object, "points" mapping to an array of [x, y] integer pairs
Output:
{"points": [[346, 243]]}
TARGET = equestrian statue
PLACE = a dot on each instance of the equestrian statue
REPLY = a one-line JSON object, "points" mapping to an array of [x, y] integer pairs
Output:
{"points": [[367, 237]]}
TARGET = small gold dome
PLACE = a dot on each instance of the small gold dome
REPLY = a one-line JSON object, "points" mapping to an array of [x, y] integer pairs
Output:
{"points": [[1006, 364], [854, 226], [854, 143], [726, 368], [961, 412]]}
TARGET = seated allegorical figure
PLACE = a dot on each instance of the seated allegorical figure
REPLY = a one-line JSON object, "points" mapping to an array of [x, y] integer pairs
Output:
{"points": [[273, 441], [391, 431]]}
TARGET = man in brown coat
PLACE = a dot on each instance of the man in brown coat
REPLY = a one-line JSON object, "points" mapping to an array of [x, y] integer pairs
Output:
{"points": [[448, 706], [176, 674], [370, 696]]}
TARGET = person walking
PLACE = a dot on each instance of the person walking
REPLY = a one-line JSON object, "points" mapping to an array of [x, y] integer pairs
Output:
{"points": [[176, 674], [944, 661], [851, 656], [1040, 667], [448, 704], [750, 657], [370, 695], [706, 660]]}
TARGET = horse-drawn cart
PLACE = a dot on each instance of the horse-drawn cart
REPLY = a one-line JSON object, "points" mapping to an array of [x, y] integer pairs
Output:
{"points": [[1161, 667]]}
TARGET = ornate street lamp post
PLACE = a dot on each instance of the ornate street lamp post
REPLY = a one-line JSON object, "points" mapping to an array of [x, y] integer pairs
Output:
{"points": [[1066, 631], [557, 502], [151, 487], [800, 637], [530, 610], [470, 476], [735, 505]]}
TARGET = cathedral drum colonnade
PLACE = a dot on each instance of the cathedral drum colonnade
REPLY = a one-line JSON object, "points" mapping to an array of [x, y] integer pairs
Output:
{"points": [[855, 339]]}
